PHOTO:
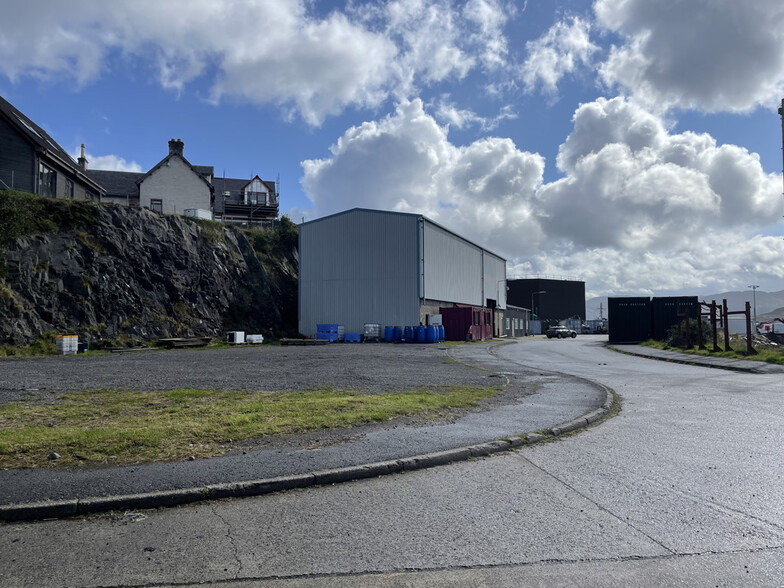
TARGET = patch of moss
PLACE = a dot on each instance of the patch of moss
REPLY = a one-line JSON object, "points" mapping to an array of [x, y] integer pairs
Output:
{"points": [[212, 232]]}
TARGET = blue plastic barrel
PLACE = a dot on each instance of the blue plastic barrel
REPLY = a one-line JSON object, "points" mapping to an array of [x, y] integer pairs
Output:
{"points": [[408, 334], [397, 334], [421, 334], [441, 333], [389, 334], [431, 333]]}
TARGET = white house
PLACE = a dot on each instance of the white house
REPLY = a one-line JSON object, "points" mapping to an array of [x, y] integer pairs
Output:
{"points": [[174, 186]]}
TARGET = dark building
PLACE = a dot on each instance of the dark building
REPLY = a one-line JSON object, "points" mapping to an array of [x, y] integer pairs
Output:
{"points": [[549, 299], [31, 161]]}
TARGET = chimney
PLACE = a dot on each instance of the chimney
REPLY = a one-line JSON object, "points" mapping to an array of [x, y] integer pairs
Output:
{"points": [[176, 146], [82, 161]]}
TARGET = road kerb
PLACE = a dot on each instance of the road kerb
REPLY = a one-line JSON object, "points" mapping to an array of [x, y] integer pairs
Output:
{"points": [[92, 505]]}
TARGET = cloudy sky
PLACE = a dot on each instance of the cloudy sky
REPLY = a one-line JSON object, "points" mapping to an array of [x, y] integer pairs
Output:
{"points": [[630, 143]]}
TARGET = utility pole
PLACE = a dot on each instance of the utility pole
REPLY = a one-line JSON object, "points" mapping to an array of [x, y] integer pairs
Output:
{"points": [[754, 295], [781, 113]]}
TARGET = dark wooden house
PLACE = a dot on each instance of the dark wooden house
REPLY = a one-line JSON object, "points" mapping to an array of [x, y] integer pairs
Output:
{"points": [[31, 161]]}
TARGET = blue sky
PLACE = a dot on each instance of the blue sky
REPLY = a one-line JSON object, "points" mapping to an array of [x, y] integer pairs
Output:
{"points": [[632, 144]]}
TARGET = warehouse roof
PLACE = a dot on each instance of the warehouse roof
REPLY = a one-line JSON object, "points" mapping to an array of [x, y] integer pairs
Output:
{"points": [[412, 214]]}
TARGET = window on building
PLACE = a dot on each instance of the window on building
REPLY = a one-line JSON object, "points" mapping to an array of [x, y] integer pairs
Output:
{"points": [[47, 181], [68, 189], [156, 204]]}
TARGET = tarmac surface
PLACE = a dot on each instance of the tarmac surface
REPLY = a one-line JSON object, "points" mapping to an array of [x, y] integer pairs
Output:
{"points": [[534, 400]]}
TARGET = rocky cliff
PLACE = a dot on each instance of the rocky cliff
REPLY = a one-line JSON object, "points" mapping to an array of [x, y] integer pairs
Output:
{"points": [[129, 274]]}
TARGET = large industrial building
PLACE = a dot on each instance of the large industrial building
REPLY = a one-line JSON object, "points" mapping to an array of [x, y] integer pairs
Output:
{"points": [[550, 299], [369, 266]]}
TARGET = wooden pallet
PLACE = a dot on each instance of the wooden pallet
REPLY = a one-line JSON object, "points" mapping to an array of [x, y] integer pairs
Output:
{"points": [[181, 342], [303, 342]]}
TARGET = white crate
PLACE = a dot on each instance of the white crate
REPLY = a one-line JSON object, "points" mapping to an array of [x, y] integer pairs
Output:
{"points": [[67, 344], [235, 337], [255, 339]]}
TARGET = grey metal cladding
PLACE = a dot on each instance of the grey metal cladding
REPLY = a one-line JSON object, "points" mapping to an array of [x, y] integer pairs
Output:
{"points": [[358, 267], [452, 267], [495, 278]]}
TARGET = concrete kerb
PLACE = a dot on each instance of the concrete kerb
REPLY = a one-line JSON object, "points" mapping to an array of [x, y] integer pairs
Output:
{"points": [[54, 509], [727, 364]]}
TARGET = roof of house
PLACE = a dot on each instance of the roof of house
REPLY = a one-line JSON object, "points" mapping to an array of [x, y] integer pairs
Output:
{"points": [[117, 183], [204, 170], [237, 185], [188, 163], [42, 142]]}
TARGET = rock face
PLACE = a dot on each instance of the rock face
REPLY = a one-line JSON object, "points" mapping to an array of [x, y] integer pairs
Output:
{"points": [[135, 274]]}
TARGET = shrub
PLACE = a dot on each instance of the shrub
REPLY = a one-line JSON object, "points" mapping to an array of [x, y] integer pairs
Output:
{"points": [[673, 340]]}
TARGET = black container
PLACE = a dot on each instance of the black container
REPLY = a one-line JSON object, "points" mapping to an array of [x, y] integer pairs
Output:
{"points": [[629, 319], [665, 310]]}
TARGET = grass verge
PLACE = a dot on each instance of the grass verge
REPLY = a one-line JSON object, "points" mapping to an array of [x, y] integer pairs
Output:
{"points": [[124, 427], [768, 354]]}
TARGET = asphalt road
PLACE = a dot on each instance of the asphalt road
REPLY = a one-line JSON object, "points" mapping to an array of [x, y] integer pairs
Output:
{"points": [[683, 488], [531, 401]]}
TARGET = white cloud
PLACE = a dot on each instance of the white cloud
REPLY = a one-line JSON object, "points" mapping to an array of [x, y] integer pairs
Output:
{"points": [[405, 162], [106, 162], [639, 209], [262, 51], [641, 187], [461, 118], [491, 17], [559, 52], [710, 55]]}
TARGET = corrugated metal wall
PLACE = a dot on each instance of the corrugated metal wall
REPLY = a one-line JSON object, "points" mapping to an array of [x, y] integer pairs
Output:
{"points": [[495, 279], [452, 268], [458, 271], [359, 267]]}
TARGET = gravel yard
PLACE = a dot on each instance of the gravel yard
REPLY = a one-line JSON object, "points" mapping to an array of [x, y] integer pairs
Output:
{"points": [[371, 368]]}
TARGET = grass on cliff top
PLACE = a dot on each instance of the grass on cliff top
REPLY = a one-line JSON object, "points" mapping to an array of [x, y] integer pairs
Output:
{"points": [[125, 427], [23, 214], [769, 353]]}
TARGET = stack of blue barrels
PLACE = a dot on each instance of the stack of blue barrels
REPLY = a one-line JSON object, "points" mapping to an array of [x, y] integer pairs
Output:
{"points": [[419, 334]]}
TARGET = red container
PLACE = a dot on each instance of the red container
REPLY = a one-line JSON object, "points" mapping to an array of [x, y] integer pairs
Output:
{"points": [[467, 323]]}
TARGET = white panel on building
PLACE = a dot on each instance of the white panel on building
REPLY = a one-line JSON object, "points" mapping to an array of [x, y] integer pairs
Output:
{"points": [[494, 269], [452, 267]]}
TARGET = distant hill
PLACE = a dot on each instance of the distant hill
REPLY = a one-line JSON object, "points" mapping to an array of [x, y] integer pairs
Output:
{"points": [[767, 303], [769, 316]]}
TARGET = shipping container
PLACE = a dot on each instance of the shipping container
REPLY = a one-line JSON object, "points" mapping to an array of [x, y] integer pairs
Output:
{"points": [[467, 323], [665, 313], [629, 319]]}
